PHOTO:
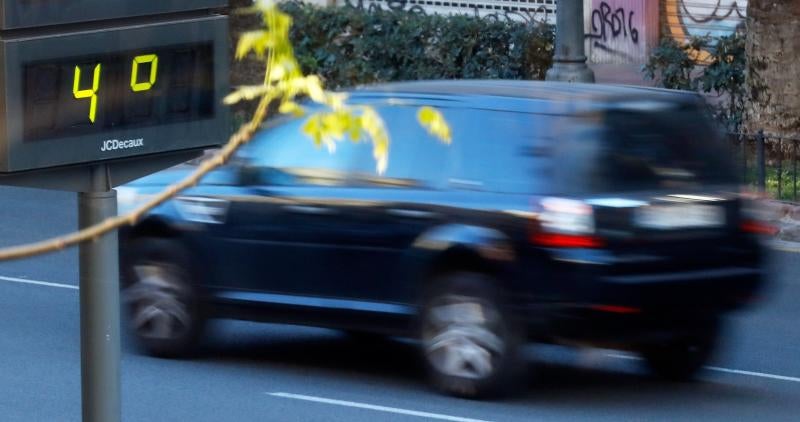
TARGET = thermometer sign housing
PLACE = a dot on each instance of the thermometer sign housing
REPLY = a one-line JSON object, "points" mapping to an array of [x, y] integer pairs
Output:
{"points": [[147, 87]]}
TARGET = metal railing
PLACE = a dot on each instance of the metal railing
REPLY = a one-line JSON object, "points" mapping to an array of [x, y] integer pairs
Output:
{"points": [[769, 163]]}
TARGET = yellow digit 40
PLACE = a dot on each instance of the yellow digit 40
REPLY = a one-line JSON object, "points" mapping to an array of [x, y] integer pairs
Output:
{"points": [[137, 86], [87, 93]]}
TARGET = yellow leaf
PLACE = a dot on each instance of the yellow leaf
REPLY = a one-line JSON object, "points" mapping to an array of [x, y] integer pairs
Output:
{"points": [[312, 128], [291, 107], [333, 125], [246, 93], [337, 100], [433, 121], [252, 41], [314, 89], [426, 115], [354, 131]]}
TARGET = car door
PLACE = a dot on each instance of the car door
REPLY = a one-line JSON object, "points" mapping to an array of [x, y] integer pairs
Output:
{"points": [[428, 184], [297, 227], [354, 232], [406, 200]]}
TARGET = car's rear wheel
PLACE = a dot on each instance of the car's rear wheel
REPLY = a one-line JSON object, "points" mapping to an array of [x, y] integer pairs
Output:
{"points": [[469, 342], [681, 358], [161, 297]]}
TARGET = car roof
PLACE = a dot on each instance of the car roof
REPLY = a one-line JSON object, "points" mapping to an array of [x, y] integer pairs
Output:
{"points": [[497, 92]]}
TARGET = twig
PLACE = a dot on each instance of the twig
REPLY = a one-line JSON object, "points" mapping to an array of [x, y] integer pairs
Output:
{"points": [[241, 137]]}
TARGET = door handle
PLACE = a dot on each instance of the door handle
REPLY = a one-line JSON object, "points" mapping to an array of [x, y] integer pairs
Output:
{"points": [[308, 209], [400, 212]]}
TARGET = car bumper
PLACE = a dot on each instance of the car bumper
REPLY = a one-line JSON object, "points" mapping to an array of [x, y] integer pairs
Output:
{"points": [[713, 289], [618, 309]]}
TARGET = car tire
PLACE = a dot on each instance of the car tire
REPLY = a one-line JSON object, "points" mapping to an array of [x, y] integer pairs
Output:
{"points": [[162, 299], [681, 358], [470, 345]]}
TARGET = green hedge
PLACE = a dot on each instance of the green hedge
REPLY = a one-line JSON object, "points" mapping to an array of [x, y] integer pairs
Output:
{"points": [[348, 46]]}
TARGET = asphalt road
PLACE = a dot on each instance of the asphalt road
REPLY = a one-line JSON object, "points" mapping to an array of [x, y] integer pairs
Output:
{"points": [[261, 372]]}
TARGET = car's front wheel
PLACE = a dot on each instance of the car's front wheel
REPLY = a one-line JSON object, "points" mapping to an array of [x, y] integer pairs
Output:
{"points": [[161, 298], [469, 343]]}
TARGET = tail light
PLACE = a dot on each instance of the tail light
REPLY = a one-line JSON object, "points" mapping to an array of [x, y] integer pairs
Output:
{"points": [[755, 219], [565, 223], [758, 227]]}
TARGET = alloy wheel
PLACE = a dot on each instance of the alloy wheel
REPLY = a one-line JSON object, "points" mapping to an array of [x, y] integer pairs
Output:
{"points": [[158, 303], [461, 337]]}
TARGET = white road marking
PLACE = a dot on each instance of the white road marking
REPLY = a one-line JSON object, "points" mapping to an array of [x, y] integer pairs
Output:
{"points": [[753, 374], [38, 283], [375, 407], [725, 370]]}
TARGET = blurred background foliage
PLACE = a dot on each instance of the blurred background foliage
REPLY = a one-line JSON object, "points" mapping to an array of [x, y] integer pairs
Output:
{"points": [[675, 66], [347, 46]]}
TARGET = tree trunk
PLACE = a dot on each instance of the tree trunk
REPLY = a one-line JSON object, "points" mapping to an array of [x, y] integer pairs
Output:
{"points": [[773, 80]]}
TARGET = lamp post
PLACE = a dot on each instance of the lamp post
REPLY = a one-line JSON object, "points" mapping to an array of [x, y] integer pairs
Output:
{"points": [[569, 61]]}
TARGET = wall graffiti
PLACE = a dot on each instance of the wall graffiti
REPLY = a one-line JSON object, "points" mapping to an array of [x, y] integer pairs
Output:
{"points": [[615, 30], [540, 14], [709, 17], [612, 24], [529, 11], [700, 18]]}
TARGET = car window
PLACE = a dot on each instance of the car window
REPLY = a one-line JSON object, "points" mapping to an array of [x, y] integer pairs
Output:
{"points": [[282, 155], [416, 158], [491, 150], [660, 149], [501, 151]]}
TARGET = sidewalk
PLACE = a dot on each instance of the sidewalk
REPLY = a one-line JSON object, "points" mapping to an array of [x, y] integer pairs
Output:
{"points": [[786, 217], [619, 74]]}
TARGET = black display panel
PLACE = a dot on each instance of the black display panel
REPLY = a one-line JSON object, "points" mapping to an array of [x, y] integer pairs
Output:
{"points": [[70, 96], [34, 13], [74, 96]]}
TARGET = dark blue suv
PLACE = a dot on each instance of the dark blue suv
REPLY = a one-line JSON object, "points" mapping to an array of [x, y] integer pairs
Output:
{"points": [[560, 213]]}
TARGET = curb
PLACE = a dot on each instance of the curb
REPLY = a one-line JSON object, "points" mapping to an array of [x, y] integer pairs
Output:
{"points": [[784, 246]]}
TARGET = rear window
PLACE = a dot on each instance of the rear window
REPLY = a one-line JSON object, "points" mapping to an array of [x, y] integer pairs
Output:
{"points": [[654, 149]]}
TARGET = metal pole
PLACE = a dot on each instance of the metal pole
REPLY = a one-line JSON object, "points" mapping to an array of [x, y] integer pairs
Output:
{"points": [[780, 168], [99, 304], [794, 170], [569, 61], [761, 162]]}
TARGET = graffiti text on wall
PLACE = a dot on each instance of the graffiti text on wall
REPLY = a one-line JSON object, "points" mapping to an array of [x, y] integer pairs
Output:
{"points": [[609, 24], [724, 16], [515, 11], [700, 18]]}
